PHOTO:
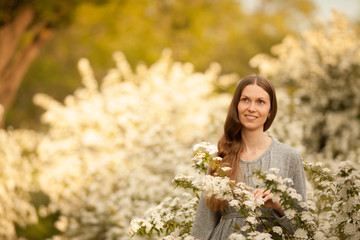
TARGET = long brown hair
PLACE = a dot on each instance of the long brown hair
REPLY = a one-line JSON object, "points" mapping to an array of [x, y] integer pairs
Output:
{"points": [[230, 144]]}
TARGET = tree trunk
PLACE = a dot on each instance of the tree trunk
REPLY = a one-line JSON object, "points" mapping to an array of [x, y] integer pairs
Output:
{"points": [[13, 70], [11, 34]]}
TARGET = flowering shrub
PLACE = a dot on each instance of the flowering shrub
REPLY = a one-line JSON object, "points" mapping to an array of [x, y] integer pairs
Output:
{"points": [[18, 173], [239, 197], [336, 194], [337, 201], [112, 149]]}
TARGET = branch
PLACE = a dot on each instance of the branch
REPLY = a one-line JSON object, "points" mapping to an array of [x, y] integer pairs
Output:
{"points": [[12, 77], [11, 34]]}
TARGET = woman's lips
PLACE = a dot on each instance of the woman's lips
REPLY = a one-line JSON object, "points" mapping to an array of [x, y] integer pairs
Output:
{"points": [[250, 117]]}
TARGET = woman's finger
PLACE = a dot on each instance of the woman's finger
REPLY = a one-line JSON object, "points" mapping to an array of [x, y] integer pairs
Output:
{"points": [[268, 197], [258, 193], [267, 193]]}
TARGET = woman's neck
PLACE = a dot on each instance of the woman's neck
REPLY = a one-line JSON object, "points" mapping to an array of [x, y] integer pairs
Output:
{"points": [[255, 141]]}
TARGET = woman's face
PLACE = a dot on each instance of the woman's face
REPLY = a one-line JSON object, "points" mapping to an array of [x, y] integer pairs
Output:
{"points": [[254, 107]]}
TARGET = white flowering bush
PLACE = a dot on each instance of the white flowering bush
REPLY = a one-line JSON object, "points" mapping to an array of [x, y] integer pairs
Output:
{"points": [[173, 217], [337, 202], [18, 166], [238, 196], [321, 72], [333, 210], [112, 149]]}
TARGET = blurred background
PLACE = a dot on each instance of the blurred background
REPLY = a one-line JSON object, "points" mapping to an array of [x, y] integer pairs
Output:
{"points": [[228, 32], [102, 100]]}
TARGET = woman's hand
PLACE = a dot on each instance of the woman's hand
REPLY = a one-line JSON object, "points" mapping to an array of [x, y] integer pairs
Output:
{"points": [[268, 200]]}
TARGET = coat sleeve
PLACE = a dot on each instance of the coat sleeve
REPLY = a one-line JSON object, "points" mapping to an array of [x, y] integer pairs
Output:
{"points": [[205, 221], [296, 173]]}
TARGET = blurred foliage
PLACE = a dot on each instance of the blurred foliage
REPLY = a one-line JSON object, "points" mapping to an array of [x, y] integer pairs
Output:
{"points": [[25, 25], [199, 31], [53, 12], [44, 228]]}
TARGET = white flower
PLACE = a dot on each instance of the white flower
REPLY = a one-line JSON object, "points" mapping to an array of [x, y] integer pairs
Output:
{"points": [[245, 228], [271, 177], [62, 223], [181, 177], [282, 187], [168, 217], [251, 220], [148, 226], [277, 230], [288, 181], [301, 233], [217, 187], [296, 196], [258, 213], [350, 229], [340, 218], [276, 197], [258, 181], [305, 205], [259, 236], [237, 236], [206, 147], [135, 225], [189, 238], [225, 169], [170, 237], [274, 170], [292, 193], [319, 236], [249, 205], [306, 216], [156, 218], [290, 213], [234, 203], [319, 164], [357, 183], [345, 166], [259, 201]]}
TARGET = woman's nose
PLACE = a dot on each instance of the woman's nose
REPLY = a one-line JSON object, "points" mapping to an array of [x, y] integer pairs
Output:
{"points": [[252, 107]]}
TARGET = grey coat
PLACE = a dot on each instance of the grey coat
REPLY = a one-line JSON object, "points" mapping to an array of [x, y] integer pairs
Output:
{"points": [[219, 226]]}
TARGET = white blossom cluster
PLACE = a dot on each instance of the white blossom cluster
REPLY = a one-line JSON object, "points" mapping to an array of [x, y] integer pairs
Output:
{"points": [[203, 153], [112, 149], [251, 236], [240, 198], [337, 201], [206, 148], [171, 216], [18, 167], [295, 209]]}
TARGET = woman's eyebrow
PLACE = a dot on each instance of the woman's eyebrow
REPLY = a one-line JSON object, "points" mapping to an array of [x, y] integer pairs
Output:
{"points": [[256, 97]]}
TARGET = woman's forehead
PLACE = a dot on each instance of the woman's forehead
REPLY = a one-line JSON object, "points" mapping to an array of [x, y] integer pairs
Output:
{"points": [[254, 91]]}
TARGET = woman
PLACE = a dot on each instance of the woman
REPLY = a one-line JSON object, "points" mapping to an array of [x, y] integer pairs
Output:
{"points": [[246, 148]]}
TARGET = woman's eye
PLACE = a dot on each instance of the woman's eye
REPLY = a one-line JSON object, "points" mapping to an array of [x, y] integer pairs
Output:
{"points": [[261, 101], [244, 99]]}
